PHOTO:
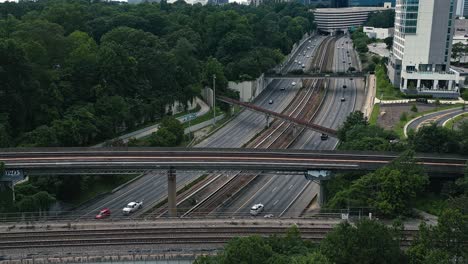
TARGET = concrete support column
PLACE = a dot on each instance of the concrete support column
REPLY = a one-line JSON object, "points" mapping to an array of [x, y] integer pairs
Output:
{"points": [[267, 118], [418, 84], [171, 192], [321, 194], [450, 85], [294, 131], [405, 84], [436, 82]]}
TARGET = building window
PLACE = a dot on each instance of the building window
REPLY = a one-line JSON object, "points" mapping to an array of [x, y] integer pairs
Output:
{"points": [[425, 67]]}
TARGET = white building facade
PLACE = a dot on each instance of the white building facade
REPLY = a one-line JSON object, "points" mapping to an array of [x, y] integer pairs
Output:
{"points": [[378, 33], [346, 19], [422, 44]]}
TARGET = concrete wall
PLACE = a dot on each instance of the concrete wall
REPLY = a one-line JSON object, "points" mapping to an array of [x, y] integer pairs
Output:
{"points": [[249, 90], [178, 107]]}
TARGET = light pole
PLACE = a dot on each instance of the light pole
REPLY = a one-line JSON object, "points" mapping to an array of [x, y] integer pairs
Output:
{"points": [[214, 99]]}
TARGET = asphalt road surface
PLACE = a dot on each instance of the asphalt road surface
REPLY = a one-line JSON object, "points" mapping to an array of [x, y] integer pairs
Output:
{"points": [[152, 187], [439, 118], [289, 195]]}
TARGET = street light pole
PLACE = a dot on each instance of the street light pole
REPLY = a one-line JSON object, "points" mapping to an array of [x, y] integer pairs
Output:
{"points": [[214, 99]]}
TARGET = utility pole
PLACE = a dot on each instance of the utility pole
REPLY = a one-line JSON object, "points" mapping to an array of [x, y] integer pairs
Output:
{"points": [[214, 99]]}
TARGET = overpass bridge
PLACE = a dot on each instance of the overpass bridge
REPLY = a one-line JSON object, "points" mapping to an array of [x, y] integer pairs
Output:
{"points": [[70, 161], [281, 116]]}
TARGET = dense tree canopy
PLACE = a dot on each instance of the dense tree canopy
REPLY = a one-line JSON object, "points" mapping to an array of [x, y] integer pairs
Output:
{"points": [[382, 19], [77, 72], [389, 190]]}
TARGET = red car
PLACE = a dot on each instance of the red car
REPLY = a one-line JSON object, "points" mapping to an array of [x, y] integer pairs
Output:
{"points": [[103, 213]]}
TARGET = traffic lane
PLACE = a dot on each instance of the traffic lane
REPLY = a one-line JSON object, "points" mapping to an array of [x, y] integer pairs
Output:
{"points": [[245, 126], [444, 119], [296, 57], [432, 117], [266, 195], [244, 198], [150, 191], [303, 201]]}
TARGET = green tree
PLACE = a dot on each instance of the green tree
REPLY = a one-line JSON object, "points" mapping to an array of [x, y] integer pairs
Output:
{"points": [[355, 119], [390, 190], [389, 42], [443, 243], [367, 242], [434, 138]]}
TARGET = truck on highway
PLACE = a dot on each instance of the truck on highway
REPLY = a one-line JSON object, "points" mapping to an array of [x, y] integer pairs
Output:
{"points": [[132, 207]]}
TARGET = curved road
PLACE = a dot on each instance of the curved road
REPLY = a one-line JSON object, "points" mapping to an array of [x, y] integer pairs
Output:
{"points": [[439, 117]]}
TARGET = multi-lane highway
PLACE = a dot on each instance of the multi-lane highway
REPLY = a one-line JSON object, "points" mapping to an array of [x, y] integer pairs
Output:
{"points": [[151, 188], [289, 196]]}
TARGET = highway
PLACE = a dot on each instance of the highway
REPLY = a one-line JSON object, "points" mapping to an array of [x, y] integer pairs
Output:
{"points": [[290, 195], [234, 134]]}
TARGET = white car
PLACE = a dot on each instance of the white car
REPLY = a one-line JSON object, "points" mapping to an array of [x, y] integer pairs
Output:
{"points": [[256, 209], [293, 83], [132, 207]]}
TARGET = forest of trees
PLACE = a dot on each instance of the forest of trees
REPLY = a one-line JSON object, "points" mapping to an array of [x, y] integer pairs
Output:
{"points": [[75, 72]]}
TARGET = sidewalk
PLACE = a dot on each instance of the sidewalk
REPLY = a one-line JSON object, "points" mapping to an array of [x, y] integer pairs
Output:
{"points": [[431, 101], [370, 97], [204, 108]]}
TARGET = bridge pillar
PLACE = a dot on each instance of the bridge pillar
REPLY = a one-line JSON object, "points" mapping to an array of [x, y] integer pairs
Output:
{"points": [[321, 193], [267, 118], [171, 193]]}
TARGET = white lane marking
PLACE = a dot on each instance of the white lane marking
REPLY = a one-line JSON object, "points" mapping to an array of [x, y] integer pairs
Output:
{"points": [[290, 186], [274, 189], [275, 202]]}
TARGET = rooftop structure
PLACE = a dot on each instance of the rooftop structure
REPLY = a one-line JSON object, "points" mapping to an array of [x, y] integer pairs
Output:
{"points": [[343, 19]]}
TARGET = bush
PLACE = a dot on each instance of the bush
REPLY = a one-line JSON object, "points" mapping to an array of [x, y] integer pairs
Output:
{"points": [[414, 108], [404, 116]]}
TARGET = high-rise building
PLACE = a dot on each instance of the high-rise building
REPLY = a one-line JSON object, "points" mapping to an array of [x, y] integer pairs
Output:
{"points": [[420, 59], [338, 3], [460, 4], [465, 8]]}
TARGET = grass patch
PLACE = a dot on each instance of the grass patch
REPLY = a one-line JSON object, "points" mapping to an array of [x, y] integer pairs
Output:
{"points": [[399, 128], [450, 124], [385, 89], [375, 114], [431, 203], [101, 187]]}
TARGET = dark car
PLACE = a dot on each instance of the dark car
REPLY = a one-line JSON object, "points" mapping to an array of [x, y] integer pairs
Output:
{"points": [[342, 99], [324, 137], [422, 100], [103, 213], [344, 86]]}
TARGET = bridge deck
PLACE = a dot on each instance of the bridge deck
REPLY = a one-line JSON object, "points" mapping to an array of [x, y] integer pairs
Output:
{"points": [[284, 117]]}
